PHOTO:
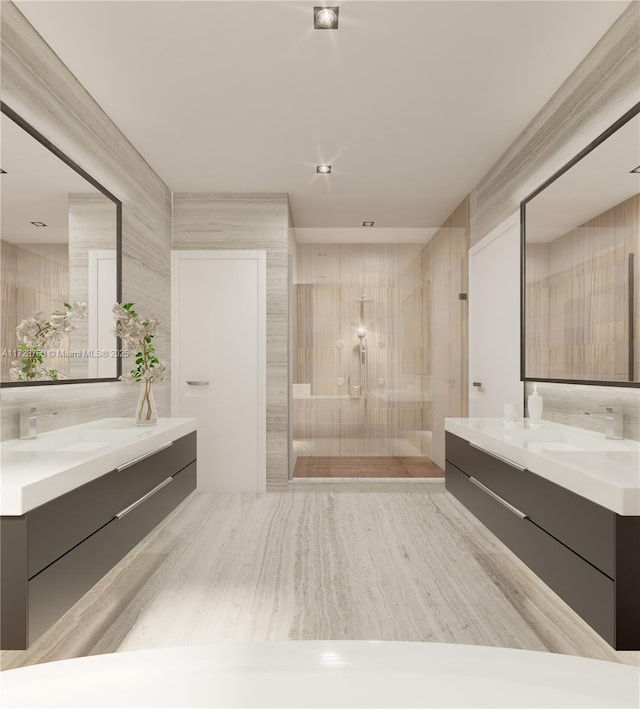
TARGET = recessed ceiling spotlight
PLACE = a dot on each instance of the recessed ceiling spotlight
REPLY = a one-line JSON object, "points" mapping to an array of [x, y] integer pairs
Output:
{"points": [[325, 18], [636, 169], [367, 223], [323, 169], [38, 223]]}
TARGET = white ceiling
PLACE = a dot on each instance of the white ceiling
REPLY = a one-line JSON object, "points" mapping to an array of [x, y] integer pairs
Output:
{"points": [[411, 102]]}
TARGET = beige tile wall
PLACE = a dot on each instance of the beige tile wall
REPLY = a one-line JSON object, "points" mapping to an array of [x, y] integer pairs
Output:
{"points": [[251, 221], [34, 277], [577, 299], [92, 226], [417, 337], [445, 330], [39, 87], [340, 419]]}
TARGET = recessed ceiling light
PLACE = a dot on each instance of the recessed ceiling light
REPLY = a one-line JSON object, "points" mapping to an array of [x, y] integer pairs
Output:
{"points": [[636, 169], [323, 169], [38, 223], [325, 18], [367, 223]]}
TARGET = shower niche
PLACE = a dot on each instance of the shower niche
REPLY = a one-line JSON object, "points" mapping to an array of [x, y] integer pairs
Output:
{"points": [[361, 393]]}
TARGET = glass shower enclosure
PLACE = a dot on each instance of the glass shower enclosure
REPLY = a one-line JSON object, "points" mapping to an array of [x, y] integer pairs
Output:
{"points": [[361, 362]]}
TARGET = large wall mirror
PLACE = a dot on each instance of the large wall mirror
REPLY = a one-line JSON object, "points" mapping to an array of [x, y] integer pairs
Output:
{"points": [[580, 252], [60, 243]]}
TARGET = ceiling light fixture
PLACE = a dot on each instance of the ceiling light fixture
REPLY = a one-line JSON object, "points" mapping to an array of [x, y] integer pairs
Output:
{"points": [[323, 169], [38, 223], [636, 170], [325, 18], [367, 223]]}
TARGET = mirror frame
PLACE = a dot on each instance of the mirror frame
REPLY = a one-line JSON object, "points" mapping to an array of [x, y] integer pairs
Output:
{"points": [[631, 113], [16, 118]]}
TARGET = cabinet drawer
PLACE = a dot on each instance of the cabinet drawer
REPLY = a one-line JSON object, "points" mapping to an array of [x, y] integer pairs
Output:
{"points": [[53, 591], [588, 591], [585, 527], [57, 526]]}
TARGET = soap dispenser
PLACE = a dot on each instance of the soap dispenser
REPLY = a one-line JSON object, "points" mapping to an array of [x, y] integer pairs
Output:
{"points": [[534, 405]]}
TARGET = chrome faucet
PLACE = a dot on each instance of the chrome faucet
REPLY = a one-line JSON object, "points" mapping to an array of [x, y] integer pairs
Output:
{"points": [[614, 421], [29, 422]]}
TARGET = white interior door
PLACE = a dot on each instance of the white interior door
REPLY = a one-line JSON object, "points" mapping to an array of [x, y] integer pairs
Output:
{"points": [[102, 296], [219, 363], [494, 321]]}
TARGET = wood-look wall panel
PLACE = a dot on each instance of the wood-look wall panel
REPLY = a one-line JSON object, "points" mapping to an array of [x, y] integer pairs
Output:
{"points": [[39, 87], [260, 222], [577, 299], [92, 226], [416, 331], [38, 281]]}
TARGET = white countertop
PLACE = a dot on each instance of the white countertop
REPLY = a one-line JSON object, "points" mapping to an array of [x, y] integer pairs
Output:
{"points": [[324, 674], [38, 470], [604, 471]]}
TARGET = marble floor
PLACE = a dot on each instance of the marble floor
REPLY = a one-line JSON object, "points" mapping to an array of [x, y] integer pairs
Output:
{"points": [[319, 565]]}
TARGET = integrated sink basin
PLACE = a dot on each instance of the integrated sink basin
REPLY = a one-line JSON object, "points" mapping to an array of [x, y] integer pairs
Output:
{"points": [[603, 470], [545, 439], [37, 470], [79, 441]]}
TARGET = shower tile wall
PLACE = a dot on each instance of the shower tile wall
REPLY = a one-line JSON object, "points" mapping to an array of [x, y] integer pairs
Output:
{"points": [[577, 299], [337, 418]]}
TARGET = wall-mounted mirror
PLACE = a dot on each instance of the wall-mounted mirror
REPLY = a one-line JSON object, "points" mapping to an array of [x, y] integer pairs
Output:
{"points": [[60, 243], [580, 253]]}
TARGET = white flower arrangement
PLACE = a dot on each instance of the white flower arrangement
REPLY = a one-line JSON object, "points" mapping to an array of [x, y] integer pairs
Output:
{"points": [[36, 335], [137, 334]]}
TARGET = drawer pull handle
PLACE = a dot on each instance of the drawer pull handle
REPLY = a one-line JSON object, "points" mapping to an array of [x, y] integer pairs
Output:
{"points": [[198, 384], [498, 456], [133, 505], [129, 463], [491, 493]]}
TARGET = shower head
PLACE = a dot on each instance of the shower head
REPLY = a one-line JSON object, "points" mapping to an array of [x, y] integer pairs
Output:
{"points": [[362, 332]]}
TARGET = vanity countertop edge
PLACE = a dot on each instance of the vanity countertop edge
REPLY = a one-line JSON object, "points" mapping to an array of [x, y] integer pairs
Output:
{"points": [[30, 478], [607, 478]]}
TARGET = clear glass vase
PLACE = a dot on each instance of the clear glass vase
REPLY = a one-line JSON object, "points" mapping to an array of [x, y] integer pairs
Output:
{"points": [[146, 411]]}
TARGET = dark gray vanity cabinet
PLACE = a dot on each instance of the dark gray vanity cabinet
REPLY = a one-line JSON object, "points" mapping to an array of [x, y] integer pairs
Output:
{"points": [[589, 555], [52, 555]]}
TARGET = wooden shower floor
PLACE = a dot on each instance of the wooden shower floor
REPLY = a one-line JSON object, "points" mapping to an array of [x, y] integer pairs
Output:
{"points": [[366, 467]]}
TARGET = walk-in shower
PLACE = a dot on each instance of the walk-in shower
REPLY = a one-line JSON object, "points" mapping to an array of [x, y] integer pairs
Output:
{"points": [[363, 351]]}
